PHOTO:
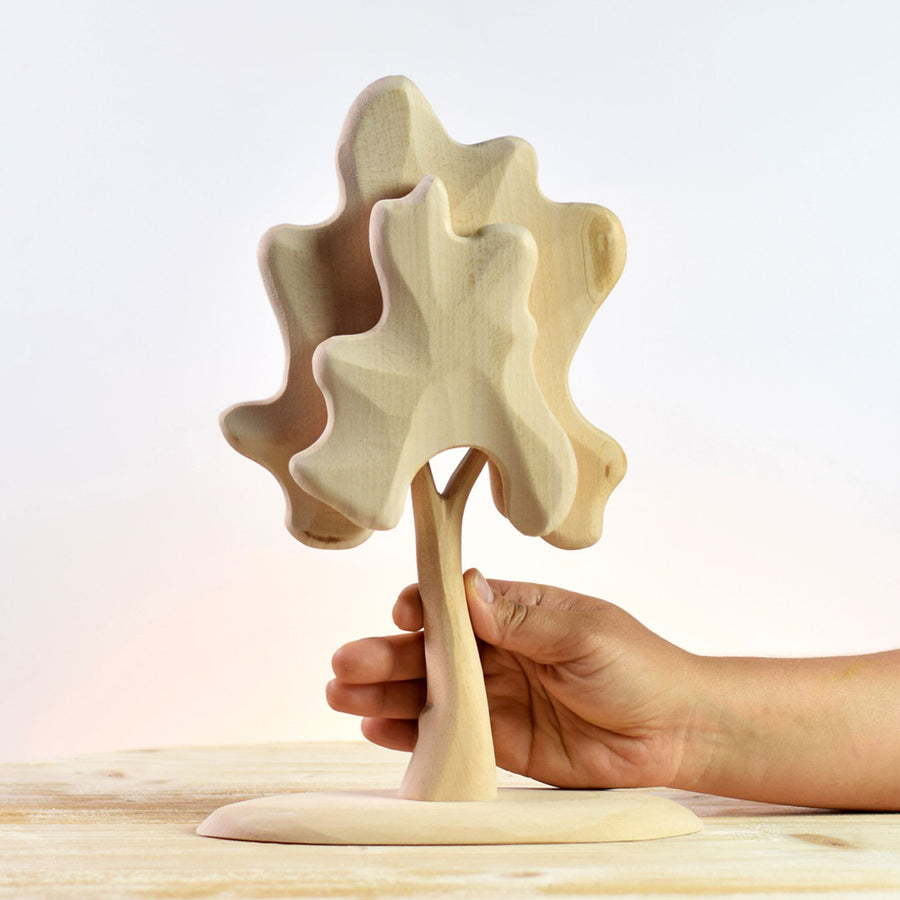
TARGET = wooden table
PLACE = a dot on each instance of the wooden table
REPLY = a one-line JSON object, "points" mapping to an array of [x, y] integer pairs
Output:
{"points": [[122, 825]]}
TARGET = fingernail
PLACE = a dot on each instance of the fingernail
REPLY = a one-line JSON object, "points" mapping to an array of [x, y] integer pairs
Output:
{"points": [[483, 589]]}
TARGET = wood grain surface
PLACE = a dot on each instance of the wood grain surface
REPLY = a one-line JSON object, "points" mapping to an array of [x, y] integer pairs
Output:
{"points": [[122, 825], [450, 364], [322, 283]]}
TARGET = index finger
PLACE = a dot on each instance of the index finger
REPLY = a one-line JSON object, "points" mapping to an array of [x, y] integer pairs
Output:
{"points": [[396, 657]]}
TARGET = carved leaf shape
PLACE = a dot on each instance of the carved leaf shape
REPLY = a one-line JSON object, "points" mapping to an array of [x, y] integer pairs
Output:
{"points": [[449, 364], [321, 282]]}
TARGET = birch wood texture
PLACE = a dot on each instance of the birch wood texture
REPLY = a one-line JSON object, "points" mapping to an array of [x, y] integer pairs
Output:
{"points": [[517, 816], [122, 825], [322, 282], [454, 754], [453, 325], [449, 364]]}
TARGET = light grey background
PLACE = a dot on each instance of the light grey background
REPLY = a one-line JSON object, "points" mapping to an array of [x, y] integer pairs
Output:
{"points": [[747, 361]]}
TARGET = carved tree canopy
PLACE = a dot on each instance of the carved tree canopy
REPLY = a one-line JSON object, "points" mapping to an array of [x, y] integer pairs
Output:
{"points": [[322, 283], [450, 364]]}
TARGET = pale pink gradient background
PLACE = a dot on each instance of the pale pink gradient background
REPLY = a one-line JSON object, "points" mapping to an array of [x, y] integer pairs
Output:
{"points": [[748, 360]]}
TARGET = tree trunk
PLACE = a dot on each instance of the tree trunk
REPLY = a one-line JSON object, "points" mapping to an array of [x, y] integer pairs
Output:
{"points": [[454, 755]]}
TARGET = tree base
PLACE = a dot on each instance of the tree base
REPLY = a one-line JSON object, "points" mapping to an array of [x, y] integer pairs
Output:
{"points": [[517, 816]]}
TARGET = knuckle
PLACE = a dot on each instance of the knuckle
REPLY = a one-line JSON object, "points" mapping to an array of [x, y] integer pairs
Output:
{"points": [[512, 617]]}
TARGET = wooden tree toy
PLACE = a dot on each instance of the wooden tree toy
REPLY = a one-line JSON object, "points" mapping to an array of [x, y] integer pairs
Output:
{"points": [[439, 308]]}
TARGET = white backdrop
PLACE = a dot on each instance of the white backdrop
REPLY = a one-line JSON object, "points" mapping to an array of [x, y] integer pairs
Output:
{"points": [[747, 361]]}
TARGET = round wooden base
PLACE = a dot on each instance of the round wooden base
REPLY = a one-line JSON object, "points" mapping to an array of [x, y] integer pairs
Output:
{"points": [[517, 816]]}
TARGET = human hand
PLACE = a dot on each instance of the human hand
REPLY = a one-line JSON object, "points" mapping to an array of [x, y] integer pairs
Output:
{"points": [[580, 693]]}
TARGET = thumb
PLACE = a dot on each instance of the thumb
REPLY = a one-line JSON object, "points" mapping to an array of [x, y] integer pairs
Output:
{"points": [[527, 619]]}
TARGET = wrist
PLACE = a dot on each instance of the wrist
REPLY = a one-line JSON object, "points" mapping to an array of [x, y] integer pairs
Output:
{"points": [[705, 736]]}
